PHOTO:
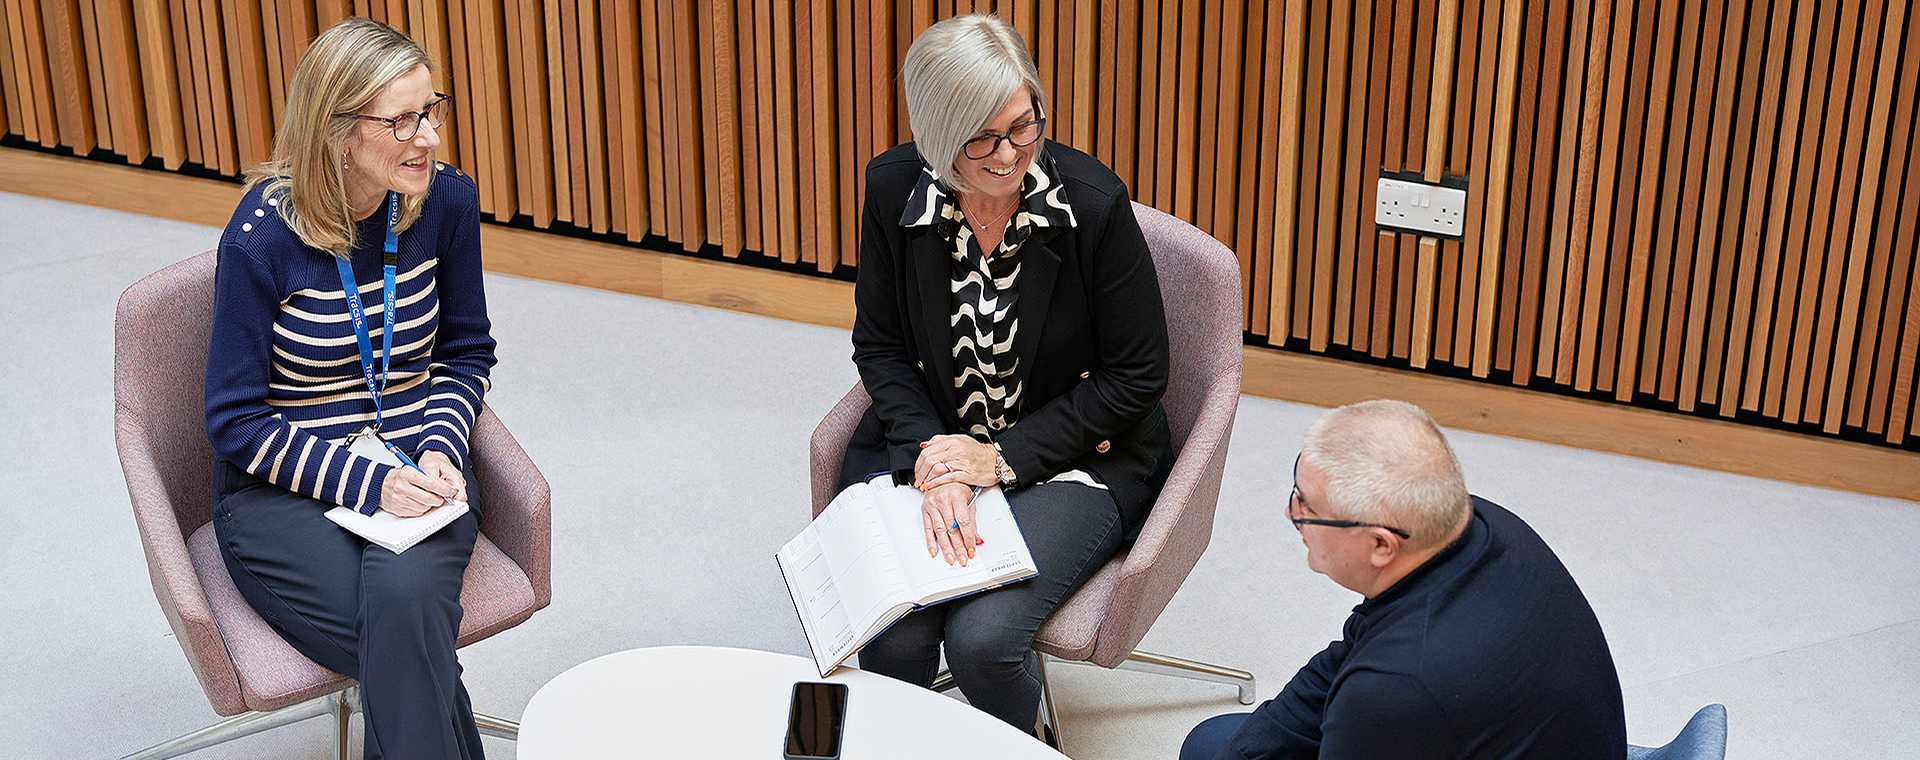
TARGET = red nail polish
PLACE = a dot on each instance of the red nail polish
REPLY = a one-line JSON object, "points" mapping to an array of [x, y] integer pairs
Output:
{"points": [[979, 542]]}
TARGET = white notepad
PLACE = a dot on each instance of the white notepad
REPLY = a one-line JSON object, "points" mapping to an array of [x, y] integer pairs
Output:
{"points": [[862, 565], [392, 532]]}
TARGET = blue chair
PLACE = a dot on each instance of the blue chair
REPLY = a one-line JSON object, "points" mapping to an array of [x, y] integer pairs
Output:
{"points": [[1704, 738]]}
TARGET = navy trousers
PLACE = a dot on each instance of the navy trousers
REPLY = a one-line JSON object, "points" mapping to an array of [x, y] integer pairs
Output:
{"points": [[1209, 740], [1071, 530], [386, 620]]}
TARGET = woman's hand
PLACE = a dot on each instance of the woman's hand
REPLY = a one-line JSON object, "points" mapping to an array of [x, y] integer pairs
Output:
{"points": [[955, 459], [438, 466], [947, 516], [407, 492]]}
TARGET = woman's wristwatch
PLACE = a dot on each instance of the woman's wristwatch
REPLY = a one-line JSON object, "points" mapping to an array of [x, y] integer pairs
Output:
{"points": [[1001, 469]]}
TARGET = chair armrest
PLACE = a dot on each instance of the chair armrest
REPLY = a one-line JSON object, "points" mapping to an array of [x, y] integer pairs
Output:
{"points": [[829, 444], [517, 515], [1177, 531], [175, 583]]}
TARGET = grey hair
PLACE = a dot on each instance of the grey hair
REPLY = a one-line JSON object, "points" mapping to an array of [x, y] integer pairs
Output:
{"points": [[957, 75], [1387, 462]]}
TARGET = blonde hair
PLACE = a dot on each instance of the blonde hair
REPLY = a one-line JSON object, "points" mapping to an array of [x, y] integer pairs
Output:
{"points": [[345, 69], [957, 75], [1386, 462]]}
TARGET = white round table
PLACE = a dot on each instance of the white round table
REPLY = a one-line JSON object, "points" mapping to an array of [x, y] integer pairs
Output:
{"points": [[717, 702]]}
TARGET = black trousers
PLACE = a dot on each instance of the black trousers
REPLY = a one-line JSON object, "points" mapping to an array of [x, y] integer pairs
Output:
{"points": [[386, 620], [1071, 530]]}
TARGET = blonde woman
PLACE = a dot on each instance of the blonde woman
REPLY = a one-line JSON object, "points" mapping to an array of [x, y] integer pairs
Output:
{"points": [[350, 327], [1008, 326]]}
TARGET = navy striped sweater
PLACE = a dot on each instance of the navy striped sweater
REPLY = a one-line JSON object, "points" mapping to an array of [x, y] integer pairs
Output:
{"points": [[283, 385]]}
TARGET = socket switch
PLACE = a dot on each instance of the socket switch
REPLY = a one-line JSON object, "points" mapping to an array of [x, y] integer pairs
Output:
{"points": [[1420, 207]]}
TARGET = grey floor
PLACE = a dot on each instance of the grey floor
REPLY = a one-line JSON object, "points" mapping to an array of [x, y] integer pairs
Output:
{"points": [[675, 439]]}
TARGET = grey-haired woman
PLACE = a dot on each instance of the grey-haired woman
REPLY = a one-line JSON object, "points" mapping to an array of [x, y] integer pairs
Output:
{"points": [[1010, 331]]}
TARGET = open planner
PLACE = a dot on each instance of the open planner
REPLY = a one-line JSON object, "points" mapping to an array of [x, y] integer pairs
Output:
{"points": [[863, 564]]}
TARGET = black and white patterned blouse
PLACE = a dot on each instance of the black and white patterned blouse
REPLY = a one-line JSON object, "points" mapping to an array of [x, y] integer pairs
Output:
{"points": [[985, 290]]}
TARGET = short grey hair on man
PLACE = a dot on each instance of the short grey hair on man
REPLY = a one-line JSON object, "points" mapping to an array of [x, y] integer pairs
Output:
{"points": [[957, 75], [1386, 462]]}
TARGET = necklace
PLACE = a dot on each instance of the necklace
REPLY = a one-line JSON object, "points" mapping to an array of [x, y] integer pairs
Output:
{"points": [[986, 223]]}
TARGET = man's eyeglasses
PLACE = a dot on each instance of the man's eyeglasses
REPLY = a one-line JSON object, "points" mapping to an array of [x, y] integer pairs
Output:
{"points": [[1294, 504], [1022, 135], [406, 125]]}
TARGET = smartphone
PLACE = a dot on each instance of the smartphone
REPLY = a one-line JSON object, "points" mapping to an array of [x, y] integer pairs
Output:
{"points": [[815, 720]]}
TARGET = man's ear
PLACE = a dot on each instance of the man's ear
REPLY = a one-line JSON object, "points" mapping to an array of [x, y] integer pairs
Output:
{"points": [[1385, 547]]}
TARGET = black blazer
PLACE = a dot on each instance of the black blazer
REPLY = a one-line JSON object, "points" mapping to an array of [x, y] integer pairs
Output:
{"points": [[1092, 344]]}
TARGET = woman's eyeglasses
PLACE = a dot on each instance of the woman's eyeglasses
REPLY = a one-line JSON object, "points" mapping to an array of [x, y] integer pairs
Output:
{"points": [[1022, 135], [407, 125]]}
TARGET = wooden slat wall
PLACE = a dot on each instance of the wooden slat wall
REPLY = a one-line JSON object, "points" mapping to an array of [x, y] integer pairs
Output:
{"points": [[1689, 206]]}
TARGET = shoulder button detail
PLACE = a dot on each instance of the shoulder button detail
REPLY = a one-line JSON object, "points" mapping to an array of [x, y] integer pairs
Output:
{"points": [[248, 227]]}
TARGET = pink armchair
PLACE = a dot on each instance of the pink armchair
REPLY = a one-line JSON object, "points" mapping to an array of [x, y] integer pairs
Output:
{"points": [[247, 671], [1105, 620]]}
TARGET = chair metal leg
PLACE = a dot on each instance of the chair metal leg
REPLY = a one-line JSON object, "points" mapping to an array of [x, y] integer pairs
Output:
{"points": [[498, 728], [1159, 664], [244, 724], [1049, 717], [345, 703]]}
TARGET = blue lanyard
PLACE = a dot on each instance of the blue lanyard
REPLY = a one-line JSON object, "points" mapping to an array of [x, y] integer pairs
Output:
{"points": [[389, 263]]}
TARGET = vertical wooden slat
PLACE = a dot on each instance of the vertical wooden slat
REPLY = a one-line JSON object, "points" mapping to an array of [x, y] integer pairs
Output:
{"points": [[847, 163], [1439, 105], [1869, 189], [824, 130], [1509, 324], [593, 116], [1893, 258], [1419, 84], [1368, 243], [1688, 293], [1453, 328], [1259, 274], [1357, 209], [66, 54], [747, 77], [1772, 268], [159, 85], [1127, 93], [1497, 168], [87, 61], [10, 111], [1820, 258], [1576, 304], [786, 143], [1293, 71], [1838, 306], [123, 80], [1573, 100], [1799, 262], [1533, 244], [1703, 290], [1627, 370], [809, 243], [1308, 169], [662, 202], [1185, 130], [1148, 145], [1731, 270], [1618, 231], [1332, 130], [1246, 160], [1227, 142], [563, 73]]}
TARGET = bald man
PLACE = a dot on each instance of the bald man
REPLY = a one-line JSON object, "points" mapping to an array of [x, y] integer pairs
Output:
{"points": [[1473, 640]]}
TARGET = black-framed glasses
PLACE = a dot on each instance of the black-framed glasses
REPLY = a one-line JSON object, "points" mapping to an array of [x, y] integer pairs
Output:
{"points": [[1293, 498], [407, 125], [1021, 135]]}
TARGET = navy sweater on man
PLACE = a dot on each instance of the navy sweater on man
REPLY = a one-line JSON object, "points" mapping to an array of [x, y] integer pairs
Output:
{"points": [[284, 387], [1488, 650]]}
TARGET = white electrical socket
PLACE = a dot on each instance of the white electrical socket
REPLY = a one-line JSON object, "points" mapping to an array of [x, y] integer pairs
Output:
{"points": [[1419, 206]]}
